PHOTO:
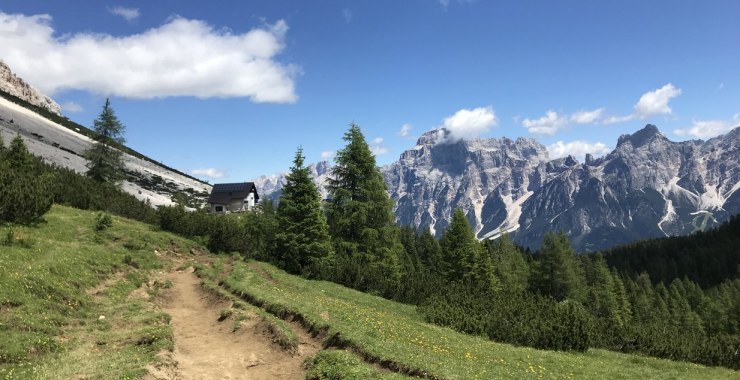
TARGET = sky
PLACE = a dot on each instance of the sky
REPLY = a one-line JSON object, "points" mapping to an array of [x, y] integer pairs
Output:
{"points": [[228, 90]]}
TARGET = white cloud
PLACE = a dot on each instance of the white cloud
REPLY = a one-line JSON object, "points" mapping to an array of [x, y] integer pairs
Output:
{"points": [[182, 57], [577, 148], [71, 107], [586, 117], [129, 14], [347, 15], [618, 119], [656, 102], [467, 123], [444, 3], [703, 129], [405, 129], [546, 125], [327, 154], [651, 103], [377, 148], [209, 172], [721, 86]]}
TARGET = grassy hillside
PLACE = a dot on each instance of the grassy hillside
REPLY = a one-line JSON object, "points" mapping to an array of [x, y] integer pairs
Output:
{"points": [[77, 303], [395, 336], [69, 306]]}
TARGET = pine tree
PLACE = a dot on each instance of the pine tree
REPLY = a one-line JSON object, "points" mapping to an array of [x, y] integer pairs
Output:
{"points": [[509, 264], [360, 217], [463, 257], [303, 239], [559, 273], [26, 192], [105, 162]]}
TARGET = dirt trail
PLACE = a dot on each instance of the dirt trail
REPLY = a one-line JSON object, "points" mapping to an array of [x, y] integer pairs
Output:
{"points": [[208, 349]]}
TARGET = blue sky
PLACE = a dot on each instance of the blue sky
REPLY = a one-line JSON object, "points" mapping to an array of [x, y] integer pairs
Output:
{"points": [[229, 89]]}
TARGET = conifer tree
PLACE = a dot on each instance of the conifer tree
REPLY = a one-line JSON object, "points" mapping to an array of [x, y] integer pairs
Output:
{"points": [[105, 162], [303, 235], [360, 216], [509, 264], [559, 273], [25, 193], [463, 257]]}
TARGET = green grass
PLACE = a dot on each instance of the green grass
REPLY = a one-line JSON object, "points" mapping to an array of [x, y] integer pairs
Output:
{"points": [[395, 334], [341, 364], [50, 322]]}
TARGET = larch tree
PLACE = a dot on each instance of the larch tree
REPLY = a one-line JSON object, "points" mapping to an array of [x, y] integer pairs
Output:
{"points": [[302, 241], [360, 216], [105, 162]]}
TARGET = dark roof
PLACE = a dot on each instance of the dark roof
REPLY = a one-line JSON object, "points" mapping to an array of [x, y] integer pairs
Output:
{"points": [[223, 193]]}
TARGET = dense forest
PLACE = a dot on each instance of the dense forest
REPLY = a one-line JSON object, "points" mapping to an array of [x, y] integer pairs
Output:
{"points": [[676, 298]]}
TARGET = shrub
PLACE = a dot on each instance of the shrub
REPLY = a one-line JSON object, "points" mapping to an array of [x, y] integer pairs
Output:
{"points": [[103, 221]]}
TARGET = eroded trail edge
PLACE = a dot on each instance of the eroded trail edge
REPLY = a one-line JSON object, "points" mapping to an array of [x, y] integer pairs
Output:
{"points": [[208, 349]]}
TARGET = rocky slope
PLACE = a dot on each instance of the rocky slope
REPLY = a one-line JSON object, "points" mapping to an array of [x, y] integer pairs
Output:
{"points": [[58, 144], [16, 86]]}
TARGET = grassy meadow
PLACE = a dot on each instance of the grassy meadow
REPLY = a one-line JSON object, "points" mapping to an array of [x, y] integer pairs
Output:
{"points": [[395, 336], [71, 305]]}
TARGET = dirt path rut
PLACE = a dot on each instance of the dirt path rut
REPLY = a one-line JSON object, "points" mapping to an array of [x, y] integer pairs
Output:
{"points": [[208, 349]]}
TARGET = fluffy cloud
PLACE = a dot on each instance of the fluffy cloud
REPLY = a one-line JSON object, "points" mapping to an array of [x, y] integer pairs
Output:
{"points": [[577, 148], [586, 117], [71, 107], [708, 128], [377, 148], [327, 154], [209, 172], [183, 57], [656, 102], [552, 122], [467, 123], [650, 103], [129, 14], [404, 131], [546, 125]]}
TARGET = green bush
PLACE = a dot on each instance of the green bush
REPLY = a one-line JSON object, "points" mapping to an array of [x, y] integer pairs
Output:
{"points": [[103, 221]]}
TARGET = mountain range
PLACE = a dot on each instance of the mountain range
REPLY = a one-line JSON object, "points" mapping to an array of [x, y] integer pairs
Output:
{"points": [[647, 187]]}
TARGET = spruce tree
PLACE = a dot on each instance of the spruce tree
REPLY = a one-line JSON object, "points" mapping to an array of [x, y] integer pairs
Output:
{"points": [[509, 264], [560, 275], [105, 162], [360, 217], [463, 257], [26, 192], [303, 239]]}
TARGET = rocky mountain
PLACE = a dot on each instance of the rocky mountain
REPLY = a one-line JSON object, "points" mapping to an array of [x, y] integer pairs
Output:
{"points": [[647, 187], [58, 140], [13, 85], [489, 179]]}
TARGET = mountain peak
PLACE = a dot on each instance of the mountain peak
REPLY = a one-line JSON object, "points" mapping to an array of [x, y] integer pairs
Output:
{"points": [[641, 137]]}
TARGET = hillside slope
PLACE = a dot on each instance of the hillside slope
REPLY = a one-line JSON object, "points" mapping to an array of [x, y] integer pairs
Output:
{"points": [[396, 337]]}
